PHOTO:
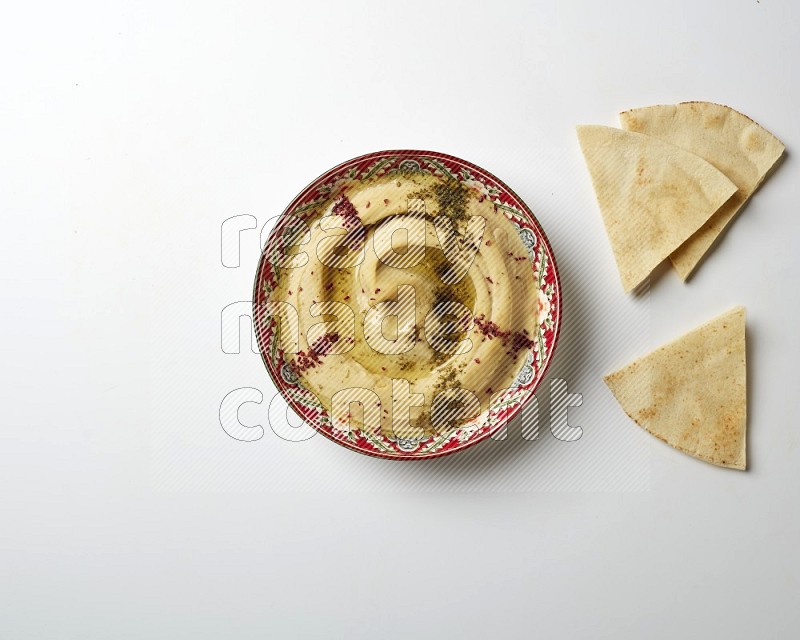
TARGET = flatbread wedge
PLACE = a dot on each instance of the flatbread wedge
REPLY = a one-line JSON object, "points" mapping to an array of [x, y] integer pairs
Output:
{"points": [[743, 150], [691, 393], [652, 194]]}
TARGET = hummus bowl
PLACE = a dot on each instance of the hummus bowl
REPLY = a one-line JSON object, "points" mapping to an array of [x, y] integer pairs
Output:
{"points": [[407, 304]]}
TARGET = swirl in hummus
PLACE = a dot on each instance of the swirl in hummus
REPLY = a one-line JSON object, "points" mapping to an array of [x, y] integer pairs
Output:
{"points": [[407, 303]]}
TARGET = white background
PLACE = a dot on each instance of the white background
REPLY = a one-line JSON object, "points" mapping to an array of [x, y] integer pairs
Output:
{"points": [[128, 132]]}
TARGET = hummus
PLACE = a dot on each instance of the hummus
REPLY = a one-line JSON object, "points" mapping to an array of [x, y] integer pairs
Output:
{"points": [[412, 304]]}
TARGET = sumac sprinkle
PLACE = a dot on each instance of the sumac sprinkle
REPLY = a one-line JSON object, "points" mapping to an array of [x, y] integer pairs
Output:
{"points": [[310, 359]]}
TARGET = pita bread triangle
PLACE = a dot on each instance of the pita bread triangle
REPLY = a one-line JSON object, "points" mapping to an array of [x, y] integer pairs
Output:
{"points": [[729, 140], [691, 393], [652, 194]]}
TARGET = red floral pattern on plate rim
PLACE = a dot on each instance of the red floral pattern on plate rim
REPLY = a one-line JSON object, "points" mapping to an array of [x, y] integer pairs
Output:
{"points": [[379, 163]]}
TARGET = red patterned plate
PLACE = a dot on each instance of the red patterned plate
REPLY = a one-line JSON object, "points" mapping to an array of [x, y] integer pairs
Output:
{"points": [[407, 345]]}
